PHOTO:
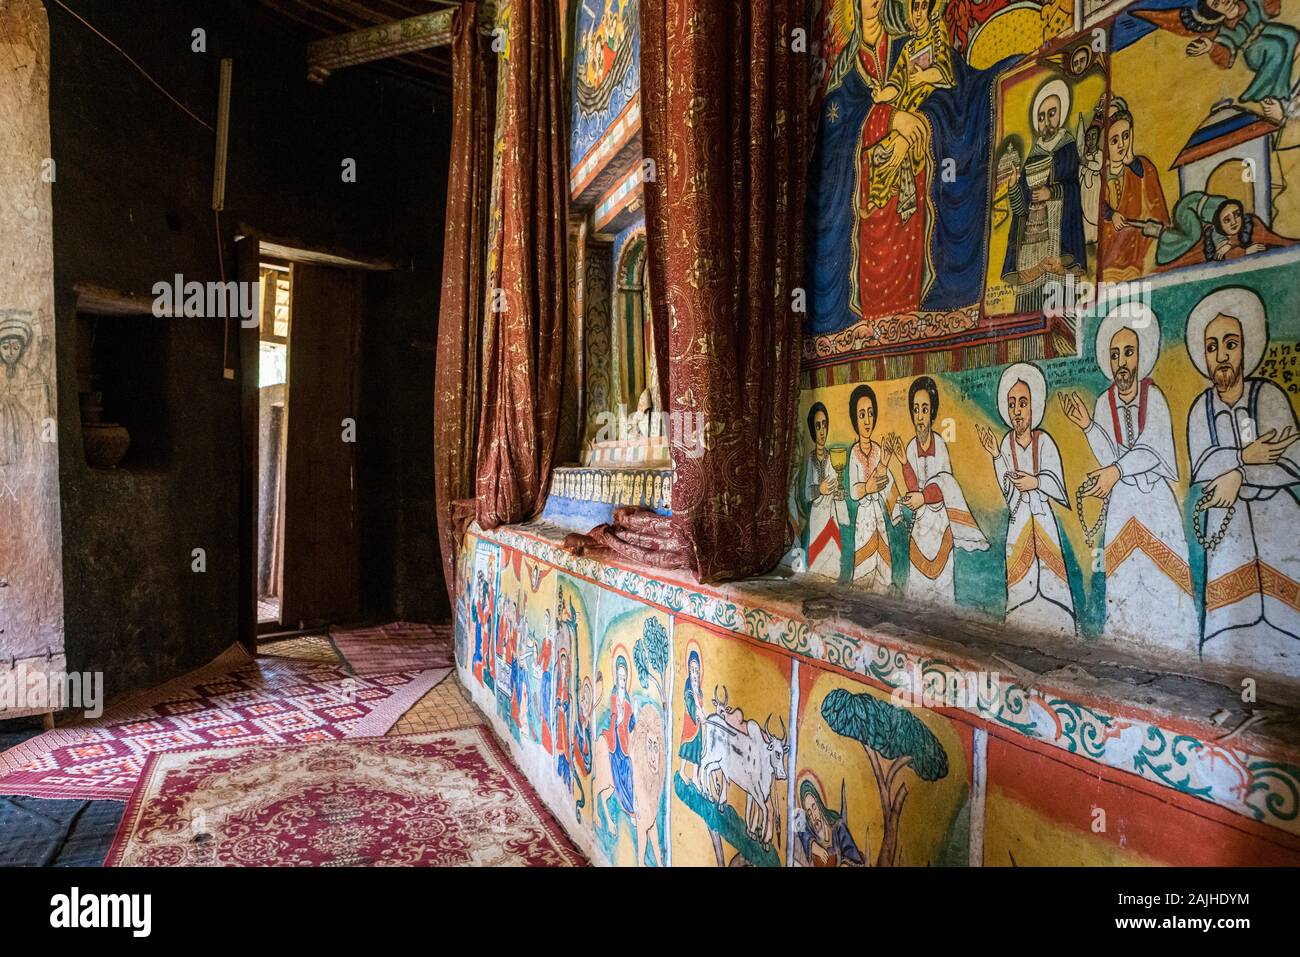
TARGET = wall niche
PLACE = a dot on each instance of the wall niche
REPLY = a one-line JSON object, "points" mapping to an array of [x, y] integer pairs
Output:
{"points": [[122, 361]]}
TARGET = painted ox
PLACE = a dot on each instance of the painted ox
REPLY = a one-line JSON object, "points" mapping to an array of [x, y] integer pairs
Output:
{"points": [[741, 752]]}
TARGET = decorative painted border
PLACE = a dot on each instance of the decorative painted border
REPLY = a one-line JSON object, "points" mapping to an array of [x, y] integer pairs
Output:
{"points": [[649, 487], [1255, 786]]}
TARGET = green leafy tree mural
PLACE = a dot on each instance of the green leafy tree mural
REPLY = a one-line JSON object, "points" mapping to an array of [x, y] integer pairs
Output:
{"points": [[650, 655], [893, 739]]}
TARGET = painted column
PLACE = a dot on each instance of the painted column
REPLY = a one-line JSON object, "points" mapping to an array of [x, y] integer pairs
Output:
{"points": [[31, 570]]}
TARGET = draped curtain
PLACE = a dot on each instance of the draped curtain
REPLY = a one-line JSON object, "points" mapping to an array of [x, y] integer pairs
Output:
{"points": [[460, 315], [524, 324], [725, 120]]}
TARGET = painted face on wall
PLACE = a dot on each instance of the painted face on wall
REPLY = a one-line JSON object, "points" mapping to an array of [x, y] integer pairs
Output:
{"points": [[918, 15], [864, 419], [817, 822], [695, 672], [10, 350], [620, 676], [584, 698], [821, 427], [1020, 408], [869, 9], [1223, 355], [1230, 219], [1124, 359], [922, 414], [1049, 116], [1119, 142]]}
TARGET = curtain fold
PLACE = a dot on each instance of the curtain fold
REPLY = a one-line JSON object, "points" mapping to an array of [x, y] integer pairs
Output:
{"points": [[524, 324], [725, 120], [460, 313]]}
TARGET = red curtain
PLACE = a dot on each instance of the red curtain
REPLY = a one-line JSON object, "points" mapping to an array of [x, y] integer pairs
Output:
{"points": [[460, 314], [524, 325], [725, 120]]}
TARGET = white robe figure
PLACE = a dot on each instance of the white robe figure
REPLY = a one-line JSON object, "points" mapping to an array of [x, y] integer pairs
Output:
{"points": [[871, 559], [1149, 591], [825, 516], [1252, 577], [944, 521], [1038, 584]]}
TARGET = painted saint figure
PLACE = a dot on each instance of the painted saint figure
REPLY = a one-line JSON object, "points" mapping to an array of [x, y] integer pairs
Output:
{"points": [[828, 510], [1027, 466], [1047, 238], [941, 517], [481, 611], [821, 836], [1208, 228], [871, 485], [24, 395], [692, 745], [1131, 434], [1242, 441], [618, 736], [1135, 208]]}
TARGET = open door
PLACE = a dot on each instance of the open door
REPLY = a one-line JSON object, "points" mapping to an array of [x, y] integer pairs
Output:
{"points": [[320, 580]]}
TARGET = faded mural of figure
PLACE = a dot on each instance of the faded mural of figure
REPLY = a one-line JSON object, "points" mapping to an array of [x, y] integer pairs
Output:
{"points": [[1242, 441], [24, 394], [1091, 178], [1131, 434], [821, 836], [871, 485], [618, 736], [941, 518], [828, 510], [1027, 466], [1047, 238]]}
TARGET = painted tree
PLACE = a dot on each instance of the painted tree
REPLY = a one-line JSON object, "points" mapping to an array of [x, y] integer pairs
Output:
{"points": [[650, 655], [893, 739]]}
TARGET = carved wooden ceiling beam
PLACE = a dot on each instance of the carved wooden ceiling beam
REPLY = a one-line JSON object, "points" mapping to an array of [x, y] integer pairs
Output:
{"points": [[379, 42]]}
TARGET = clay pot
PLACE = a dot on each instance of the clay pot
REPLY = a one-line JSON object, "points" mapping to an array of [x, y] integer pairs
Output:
{"points": [[105, 443]]}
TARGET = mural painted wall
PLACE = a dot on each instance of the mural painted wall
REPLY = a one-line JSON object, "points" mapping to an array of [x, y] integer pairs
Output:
{"points": [[1101, 441], [607, 68], [697, 729], [31, 574]]}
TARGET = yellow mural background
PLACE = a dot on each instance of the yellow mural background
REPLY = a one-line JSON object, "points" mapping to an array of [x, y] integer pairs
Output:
{"points": [[759, 684], [1170, 93], [930, 805]]}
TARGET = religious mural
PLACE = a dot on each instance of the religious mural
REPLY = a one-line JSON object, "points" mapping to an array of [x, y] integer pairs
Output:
{"points": [[732, 747], [877, 784], [1141, 491]]}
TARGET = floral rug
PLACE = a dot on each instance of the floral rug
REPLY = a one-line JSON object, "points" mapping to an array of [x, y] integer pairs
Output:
{"points": [[235, 700], [399, 646], [444, 799]]}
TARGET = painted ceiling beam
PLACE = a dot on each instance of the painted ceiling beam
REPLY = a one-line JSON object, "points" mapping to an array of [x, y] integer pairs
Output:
{"points": [[379, 42]]}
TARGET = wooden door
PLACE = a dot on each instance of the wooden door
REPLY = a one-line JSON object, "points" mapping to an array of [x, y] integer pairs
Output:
{"points": [[320, 583]]}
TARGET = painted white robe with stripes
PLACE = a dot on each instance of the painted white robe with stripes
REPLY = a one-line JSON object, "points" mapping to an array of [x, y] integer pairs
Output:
{"points": [[943, 523], [1038, 585], [872, 568], [1252, 589], [826, 515], [1149, 593]]}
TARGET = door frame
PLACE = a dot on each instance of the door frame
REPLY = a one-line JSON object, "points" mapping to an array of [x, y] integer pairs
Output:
{"points": [[251, 247]]}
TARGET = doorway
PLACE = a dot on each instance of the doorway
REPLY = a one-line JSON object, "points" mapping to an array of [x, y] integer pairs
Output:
{"points": [[300, 393]]}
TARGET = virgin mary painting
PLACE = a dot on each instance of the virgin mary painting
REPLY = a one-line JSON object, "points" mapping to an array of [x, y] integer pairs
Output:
{"points": [[922, 247]]}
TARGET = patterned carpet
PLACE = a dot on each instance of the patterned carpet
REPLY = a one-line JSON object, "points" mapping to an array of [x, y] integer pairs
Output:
{"points": [[233, 700], [442, 799], [397, 646]]}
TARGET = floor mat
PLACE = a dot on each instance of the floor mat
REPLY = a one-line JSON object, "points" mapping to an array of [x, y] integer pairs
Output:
{"points": [[443, 799], [40, 833], [399, 646], [235, 700]]}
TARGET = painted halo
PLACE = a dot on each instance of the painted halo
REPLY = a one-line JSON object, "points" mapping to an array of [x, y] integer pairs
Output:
{"points": [[1031, 376], [1138, 317], [1055, 87], [1246, 307]]}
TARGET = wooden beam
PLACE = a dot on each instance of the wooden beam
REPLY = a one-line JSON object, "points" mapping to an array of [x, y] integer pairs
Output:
{"points": [[379, 43]]}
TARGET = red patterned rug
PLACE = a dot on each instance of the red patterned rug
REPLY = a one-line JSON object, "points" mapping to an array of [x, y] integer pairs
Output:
{"points": [[450, 798], [399, 646], [234, 700]]}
